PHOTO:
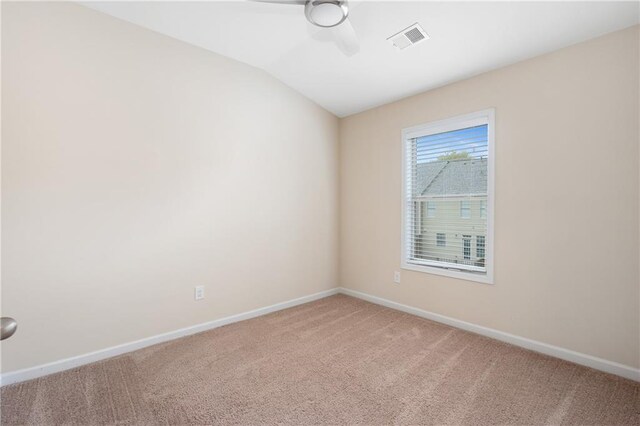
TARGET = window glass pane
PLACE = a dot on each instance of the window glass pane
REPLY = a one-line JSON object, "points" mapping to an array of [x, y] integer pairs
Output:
{"points": [[480, 247], [466, 247], [465, 209], [431, 209], [448, 177]]}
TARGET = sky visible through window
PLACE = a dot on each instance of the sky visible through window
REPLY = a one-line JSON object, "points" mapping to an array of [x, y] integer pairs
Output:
{"points": [[472, 140]]}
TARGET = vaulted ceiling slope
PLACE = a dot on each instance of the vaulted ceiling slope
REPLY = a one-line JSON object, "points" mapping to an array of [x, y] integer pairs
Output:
{"points": [[467, 38]]}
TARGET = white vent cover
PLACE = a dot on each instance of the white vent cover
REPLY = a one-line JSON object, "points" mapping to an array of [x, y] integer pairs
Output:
{"points": [[409, 36]]}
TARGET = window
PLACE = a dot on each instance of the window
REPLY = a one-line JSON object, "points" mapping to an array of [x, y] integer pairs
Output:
{"points": [[465, 209], [466, 247], [480, 246], [431, 209], [448, 166]]}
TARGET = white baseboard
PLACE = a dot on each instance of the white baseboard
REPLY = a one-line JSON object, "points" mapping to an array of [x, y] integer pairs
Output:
{"points": [[555, 351], [69, 363]]}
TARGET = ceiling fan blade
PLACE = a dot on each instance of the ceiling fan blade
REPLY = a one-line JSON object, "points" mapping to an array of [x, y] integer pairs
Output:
{"points": [[346, 38], [289, 2]]}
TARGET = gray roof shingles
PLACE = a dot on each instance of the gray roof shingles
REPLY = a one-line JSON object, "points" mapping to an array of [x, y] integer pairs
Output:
{"points": [[447, 178]]}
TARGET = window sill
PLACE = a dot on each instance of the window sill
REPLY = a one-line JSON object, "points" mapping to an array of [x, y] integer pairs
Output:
{"points": [[461, 275]]}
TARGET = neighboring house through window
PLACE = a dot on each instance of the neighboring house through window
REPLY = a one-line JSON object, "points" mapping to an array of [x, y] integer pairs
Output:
{"points": [[447, 197]]}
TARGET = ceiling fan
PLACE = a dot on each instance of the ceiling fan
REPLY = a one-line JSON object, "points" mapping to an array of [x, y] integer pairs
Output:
{"points": [[331, 14]]}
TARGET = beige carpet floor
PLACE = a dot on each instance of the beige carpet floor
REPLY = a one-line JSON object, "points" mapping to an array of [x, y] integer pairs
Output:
{"points": [[338, 360]]}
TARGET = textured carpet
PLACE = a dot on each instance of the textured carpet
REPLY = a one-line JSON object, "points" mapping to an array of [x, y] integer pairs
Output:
{"points": [[338, 360]]}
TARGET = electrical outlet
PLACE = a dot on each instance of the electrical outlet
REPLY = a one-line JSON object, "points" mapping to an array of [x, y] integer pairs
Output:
{"points": [[199, 292], [396, 277]]}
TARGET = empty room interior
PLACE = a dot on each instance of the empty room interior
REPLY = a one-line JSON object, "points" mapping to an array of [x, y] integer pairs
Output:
{"points": [[320, 212]]}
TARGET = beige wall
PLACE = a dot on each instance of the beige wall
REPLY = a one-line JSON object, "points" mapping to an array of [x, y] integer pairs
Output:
{"points": [[566, 214], [135, 167]]}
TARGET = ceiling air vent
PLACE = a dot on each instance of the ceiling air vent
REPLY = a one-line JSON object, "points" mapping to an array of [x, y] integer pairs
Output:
{"points": [[409, 36]]}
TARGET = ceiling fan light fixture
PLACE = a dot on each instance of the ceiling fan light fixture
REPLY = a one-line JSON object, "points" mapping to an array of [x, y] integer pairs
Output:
{"points": [[326, 13]]}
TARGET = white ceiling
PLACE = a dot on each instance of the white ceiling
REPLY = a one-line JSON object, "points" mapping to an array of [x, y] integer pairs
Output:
{"points": [[466, 39]]}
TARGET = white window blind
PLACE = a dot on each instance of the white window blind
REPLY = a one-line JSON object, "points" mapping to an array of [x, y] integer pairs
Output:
{"points": [[447, 167]]}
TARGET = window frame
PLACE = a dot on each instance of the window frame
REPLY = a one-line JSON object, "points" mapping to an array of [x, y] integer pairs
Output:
{"points": [[484, 117]]}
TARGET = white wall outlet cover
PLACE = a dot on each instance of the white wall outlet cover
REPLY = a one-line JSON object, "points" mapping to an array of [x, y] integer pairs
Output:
{"points": [[199, 292], [396, 277]]}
